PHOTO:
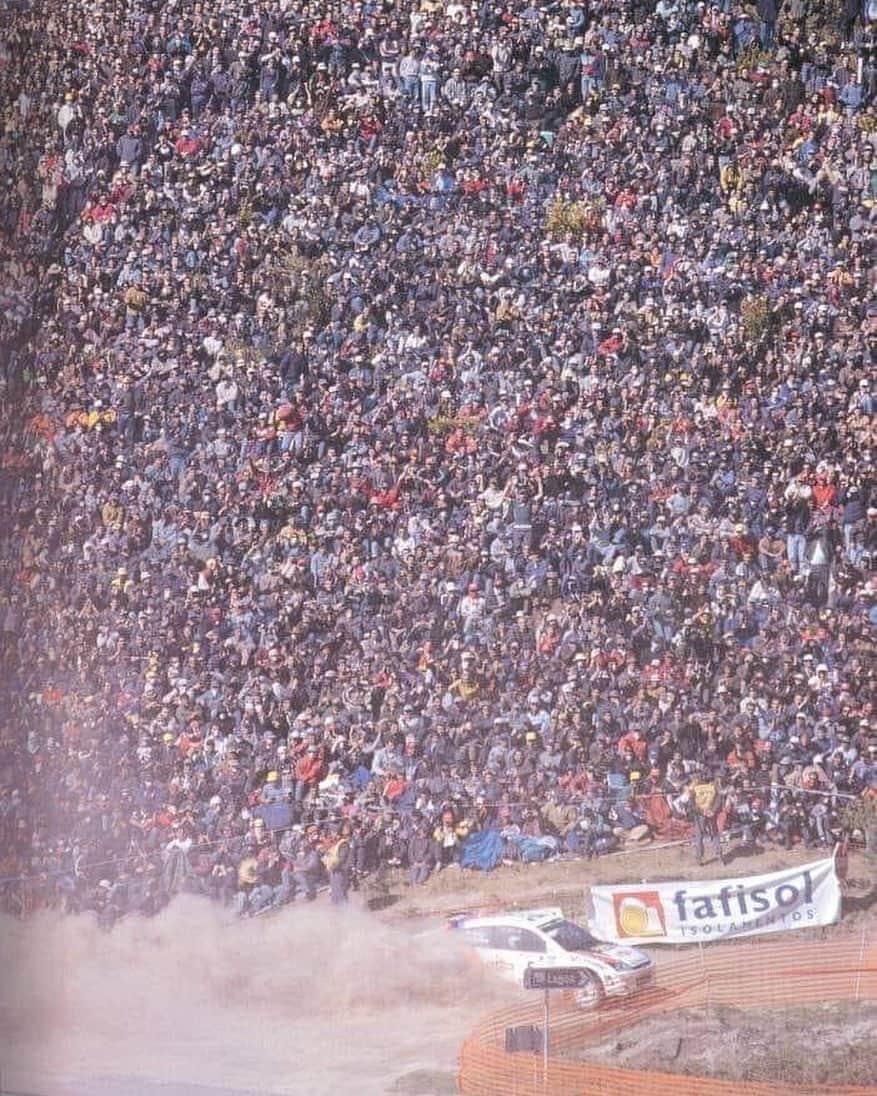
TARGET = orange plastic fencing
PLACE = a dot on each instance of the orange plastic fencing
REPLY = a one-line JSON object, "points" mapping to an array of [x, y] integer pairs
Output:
{"points": [[745, 975]]}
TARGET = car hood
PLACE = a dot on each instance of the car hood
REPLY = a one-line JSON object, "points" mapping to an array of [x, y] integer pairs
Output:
{"points": [[631, 956]]}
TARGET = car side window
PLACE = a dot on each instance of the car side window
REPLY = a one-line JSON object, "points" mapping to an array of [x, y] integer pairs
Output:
{"points": [[478, 938], [531, 941], [515, 939], [502, 937]]}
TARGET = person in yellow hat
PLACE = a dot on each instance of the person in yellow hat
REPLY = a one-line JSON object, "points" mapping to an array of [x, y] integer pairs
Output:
{"points": [[272, 790]]}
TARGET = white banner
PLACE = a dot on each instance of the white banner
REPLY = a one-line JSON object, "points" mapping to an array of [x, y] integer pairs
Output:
{"points": [[697, 911]]}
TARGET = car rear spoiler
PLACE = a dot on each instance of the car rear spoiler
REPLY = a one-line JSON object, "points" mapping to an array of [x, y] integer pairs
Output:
{"points": [[545, 913]]}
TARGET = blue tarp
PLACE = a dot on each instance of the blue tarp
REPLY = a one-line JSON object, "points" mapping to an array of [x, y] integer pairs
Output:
{"points": [[534, 849], [276, 816], [482, 850]]}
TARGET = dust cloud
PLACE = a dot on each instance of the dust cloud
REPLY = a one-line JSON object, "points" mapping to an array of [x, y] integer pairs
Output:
{"points": [[313, 1000]]}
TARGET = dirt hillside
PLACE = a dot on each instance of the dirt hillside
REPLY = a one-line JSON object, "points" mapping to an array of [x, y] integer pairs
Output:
{"points": [[826, 1044]]}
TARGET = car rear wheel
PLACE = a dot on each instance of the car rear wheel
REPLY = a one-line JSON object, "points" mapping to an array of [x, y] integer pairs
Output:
{"points": [[591, 994]]}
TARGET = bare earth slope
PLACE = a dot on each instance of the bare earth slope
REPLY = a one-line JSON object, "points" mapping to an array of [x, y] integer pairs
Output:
{"points": [[827, 1044]]}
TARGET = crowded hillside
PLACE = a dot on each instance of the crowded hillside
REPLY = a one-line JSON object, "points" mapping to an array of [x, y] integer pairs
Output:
{"points": [[432, 433]]}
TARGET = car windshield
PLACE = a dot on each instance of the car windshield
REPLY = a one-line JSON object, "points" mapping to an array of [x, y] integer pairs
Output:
{"points": [[570, 936]]}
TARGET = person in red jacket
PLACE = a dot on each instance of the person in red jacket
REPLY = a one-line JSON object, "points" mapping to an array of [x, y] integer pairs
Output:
{"points": [[635, 742], [309, 771], [741, 757], [395, 785]]}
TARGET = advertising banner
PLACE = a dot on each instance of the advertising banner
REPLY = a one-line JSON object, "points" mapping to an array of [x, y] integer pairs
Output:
{"points": [[697, 912]]}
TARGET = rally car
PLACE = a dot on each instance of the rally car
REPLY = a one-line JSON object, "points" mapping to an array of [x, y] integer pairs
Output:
{"points": [[512, 942]]}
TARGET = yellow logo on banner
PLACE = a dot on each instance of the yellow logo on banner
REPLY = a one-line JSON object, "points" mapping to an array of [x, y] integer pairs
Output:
{"points": [[639, 913]]}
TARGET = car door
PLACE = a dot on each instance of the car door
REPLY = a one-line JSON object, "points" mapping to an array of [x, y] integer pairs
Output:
{"points": [[502, 956], [523, 947]]}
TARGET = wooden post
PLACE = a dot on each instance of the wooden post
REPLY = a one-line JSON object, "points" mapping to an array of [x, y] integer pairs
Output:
{"points": [[861, 963], [546, 1039]]}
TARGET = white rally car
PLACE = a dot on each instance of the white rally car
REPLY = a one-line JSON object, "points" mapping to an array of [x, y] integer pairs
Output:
{"points": [[511, 942]]}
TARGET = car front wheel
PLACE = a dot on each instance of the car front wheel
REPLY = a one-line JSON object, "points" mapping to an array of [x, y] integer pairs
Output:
{"points": [[591, 994]]}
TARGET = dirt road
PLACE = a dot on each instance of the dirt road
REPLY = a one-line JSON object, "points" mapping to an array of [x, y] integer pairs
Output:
{"points": [[190, 1004], [309, 1002]]}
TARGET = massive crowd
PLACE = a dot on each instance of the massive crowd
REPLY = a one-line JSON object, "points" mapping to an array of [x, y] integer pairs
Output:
{"points": [[423, 421]]}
